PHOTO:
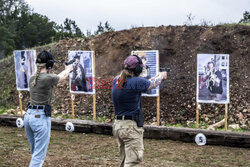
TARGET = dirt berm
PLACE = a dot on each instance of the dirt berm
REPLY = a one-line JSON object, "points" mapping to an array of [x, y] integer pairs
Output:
{"points": [[178, 47]]}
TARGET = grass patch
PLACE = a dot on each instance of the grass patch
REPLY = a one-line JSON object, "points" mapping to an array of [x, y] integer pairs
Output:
{"points": [[77, 149]]}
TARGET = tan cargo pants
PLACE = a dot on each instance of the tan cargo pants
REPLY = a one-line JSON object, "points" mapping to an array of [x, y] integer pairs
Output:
{"points": [[130, 142]]}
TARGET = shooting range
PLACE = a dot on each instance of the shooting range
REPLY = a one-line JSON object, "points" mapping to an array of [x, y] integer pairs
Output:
{"points": [[212, 81], [198, 116], [25, 67], [82, 78]]}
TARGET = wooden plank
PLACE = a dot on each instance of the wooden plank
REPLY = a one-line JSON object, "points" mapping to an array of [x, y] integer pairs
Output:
{"points": [[225, 138]]}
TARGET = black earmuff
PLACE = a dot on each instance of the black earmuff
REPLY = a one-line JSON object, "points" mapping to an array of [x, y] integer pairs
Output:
{"points": [[49, 64], [50, 60], [138, 69]]}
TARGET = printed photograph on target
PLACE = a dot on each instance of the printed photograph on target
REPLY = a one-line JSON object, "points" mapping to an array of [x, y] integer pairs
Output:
{"points": [[81, 78], [212, 78], [150, 58], [25, 67]]}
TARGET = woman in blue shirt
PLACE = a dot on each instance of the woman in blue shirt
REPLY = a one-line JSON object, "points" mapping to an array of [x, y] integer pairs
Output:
{"points": [[126, 96]]}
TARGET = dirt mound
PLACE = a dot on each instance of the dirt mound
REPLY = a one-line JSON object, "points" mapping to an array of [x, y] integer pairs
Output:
{"points": [[178, 47]]}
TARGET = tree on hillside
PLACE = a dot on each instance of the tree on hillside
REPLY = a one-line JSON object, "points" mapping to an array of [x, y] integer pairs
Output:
{"points": [[22, 26], [34, 29], [246, 17], [7, 44], [9, 8], [69, 29], [101, 29]]}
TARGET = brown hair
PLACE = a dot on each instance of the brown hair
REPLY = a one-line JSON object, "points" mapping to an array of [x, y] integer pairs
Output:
{"points": [[39, 68], [122, 79]]}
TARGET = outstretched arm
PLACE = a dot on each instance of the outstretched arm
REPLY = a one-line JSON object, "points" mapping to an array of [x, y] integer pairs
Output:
{"points": [[65, 73], [156, 81]]}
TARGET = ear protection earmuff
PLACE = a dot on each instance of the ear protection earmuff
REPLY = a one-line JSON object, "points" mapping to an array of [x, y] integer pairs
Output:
{"points": [[50, 60], [49, 64], [138, 69]]}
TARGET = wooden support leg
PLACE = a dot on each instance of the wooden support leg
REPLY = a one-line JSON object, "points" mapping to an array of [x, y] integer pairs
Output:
{"points": [[20, 102], [72, 105], [197, 115], [226, 112], [158, 110], [94, 107]]}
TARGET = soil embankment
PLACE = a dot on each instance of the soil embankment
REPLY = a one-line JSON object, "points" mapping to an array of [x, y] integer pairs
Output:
{"points": [[178, 47]]}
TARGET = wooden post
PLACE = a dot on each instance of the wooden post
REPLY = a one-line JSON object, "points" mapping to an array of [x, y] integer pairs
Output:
{"points": [[226, 112], [94, 107], [94, 96], [20, 96], [197, 115], [158, 110], [72, 106]]}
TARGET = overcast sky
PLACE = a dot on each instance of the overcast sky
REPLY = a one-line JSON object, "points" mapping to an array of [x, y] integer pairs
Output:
{"points": [[123, 14]]}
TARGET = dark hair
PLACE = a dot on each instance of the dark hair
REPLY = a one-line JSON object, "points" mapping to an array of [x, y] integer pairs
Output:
{"points": [[76, 56], [210, 62], [45, 57], [22, 55]]}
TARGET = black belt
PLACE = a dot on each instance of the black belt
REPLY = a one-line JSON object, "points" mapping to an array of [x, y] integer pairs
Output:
{"points": [[36, 107], [123, 117]]}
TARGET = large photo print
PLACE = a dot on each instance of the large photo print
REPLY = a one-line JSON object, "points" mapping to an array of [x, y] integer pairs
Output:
{"points": [[25, 67], [150, 59], [212, 78], [81, 78]]}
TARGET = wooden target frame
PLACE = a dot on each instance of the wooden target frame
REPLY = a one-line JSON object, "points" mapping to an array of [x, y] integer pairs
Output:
{"points": [[220, 62]]}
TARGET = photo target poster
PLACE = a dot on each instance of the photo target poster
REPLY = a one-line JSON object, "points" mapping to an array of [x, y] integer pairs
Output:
{"points": [[212, 78], [25, 67], [150, 58], [81, 78]]}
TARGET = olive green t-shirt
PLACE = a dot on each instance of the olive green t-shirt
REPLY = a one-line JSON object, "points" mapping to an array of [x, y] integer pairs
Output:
{"points": [[42, 93]]}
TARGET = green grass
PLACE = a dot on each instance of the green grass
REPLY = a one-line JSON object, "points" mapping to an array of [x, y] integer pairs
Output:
{"points": [[3, 110], [77, 149]]}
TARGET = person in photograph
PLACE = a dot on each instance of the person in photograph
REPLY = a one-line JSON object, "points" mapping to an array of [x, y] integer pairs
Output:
{"points": [[31, 60], [146, 71], [78, 78], [126, 96], [23, 78], [214, 81], [37, 121]]}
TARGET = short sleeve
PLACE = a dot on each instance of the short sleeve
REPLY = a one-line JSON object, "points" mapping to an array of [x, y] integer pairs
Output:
{"points": [[54, 79], [143, 84]]}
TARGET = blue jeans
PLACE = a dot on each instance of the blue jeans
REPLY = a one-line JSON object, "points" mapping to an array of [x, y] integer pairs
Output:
{"points": [[37, 127]]}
